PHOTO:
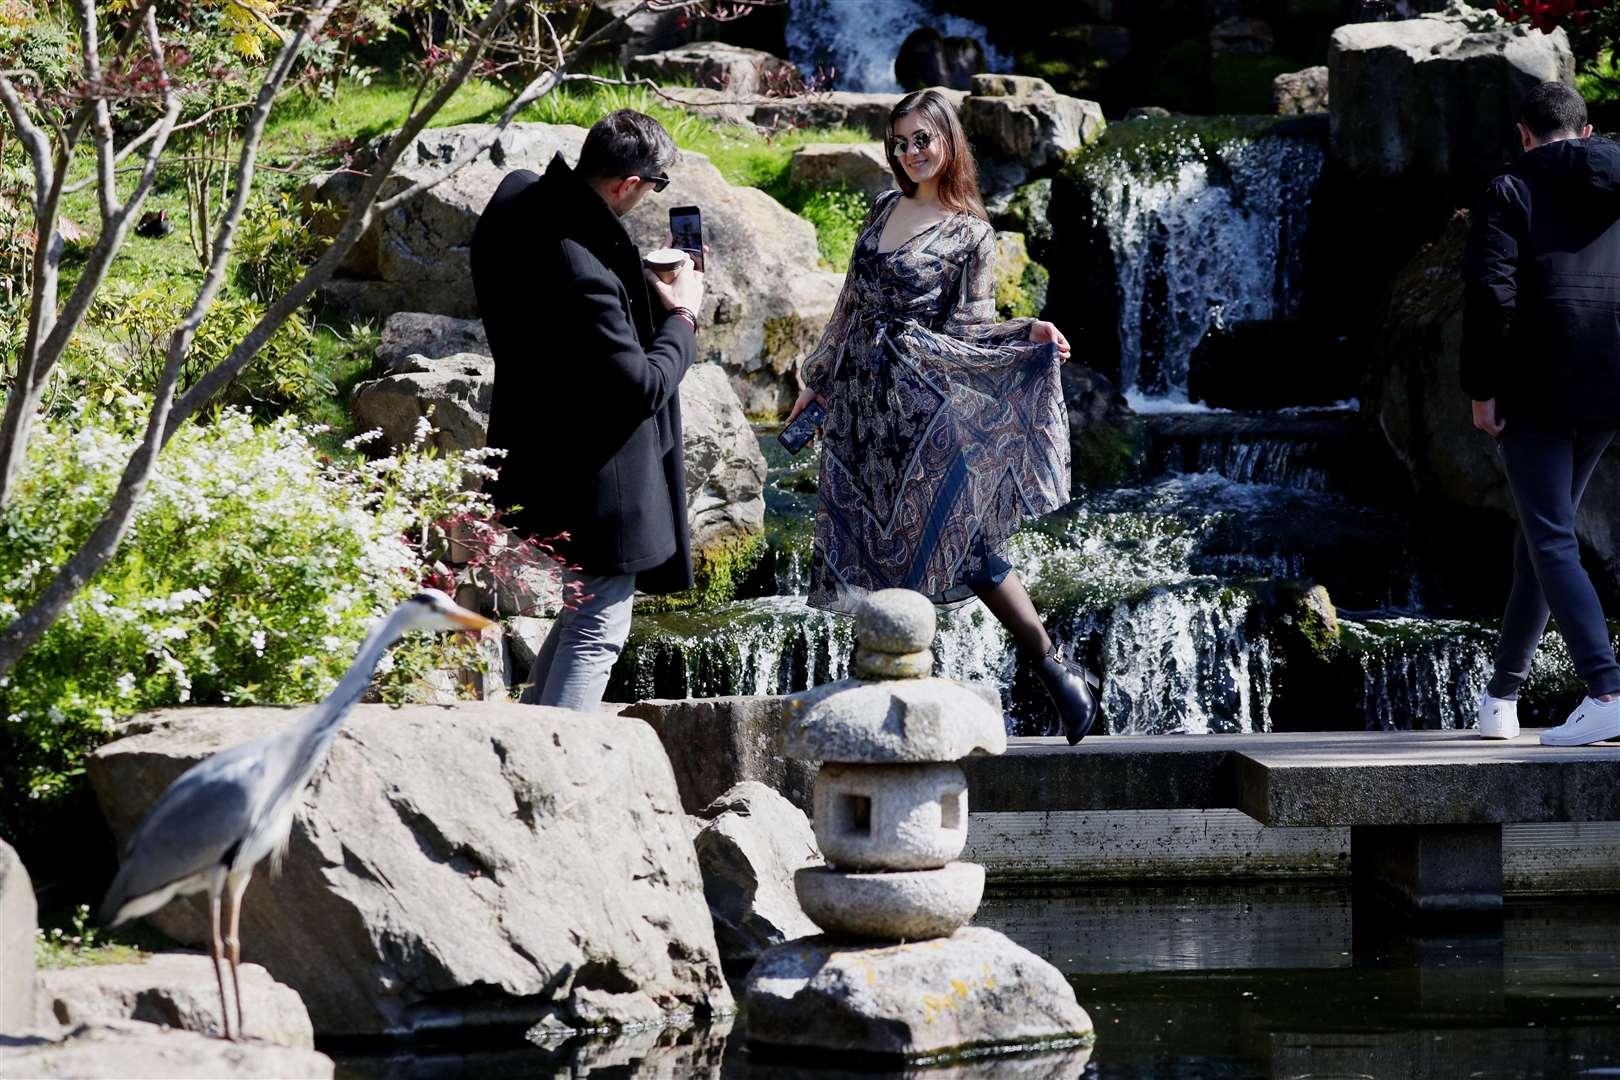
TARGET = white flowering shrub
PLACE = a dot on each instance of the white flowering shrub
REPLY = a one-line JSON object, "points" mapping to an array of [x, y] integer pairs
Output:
{"points": [[251, 572]]}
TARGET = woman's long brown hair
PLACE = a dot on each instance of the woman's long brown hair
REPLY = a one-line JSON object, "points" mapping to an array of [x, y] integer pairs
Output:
{"points": [[959, 175]]}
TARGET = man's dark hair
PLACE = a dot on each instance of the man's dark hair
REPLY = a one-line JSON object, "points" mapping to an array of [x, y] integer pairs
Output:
{"points": [[1553, 109], [626, 143]]}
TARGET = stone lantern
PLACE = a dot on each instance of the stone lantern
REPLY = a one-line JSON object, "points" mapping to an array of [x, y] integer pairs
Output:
{"points": [[898, 973]]}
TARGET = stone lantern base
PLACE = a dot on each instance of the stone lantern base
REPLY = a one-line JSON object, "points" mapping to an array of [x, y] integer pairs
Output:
{"points": [[973, 992]]}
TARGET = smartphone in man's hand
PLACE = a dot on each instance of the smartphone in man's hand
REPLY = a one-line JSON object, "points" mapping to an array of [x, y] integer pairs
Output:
{"points": [[686, 227], [796, 435]]}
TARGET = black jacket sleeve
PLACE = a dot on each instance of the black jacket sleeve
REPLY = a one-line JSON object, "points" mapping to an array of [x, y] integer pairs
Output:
{"points": [[1491, 281], [643, 380]]}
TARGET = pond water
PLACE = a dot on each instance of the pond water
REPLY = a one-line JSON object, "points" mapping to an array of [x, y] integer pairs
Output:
{"points": [[1232, 982]]}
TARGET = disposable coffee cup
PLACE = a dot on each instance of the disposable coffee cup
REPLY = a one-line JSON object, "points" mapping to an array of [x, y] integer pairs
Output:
{"points": [[666, 263]]}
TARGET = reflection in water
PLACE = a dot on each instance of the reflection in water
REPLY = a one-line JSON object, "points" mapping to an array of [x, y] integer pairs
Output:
{"points": [[1184, 983]]}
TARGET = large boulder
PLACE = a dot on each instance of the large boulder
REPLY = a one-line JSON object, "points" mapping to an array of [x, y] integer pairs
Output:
{"points": [[177, 990], [973, 991], [1436, 96], [1414, 404], [133, 1050], [1294, 93], [488, 864], [862, 167], [762, 266], [714, 65], [753, 843], [867, 112], [18, 921], [929, 58], [1032, 129], [419, 333], [452, 392]]}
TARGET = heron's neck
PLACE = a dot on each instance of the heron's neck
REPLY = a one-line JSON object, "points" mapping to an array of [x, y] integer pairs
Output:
{"points": [[324, 720]]}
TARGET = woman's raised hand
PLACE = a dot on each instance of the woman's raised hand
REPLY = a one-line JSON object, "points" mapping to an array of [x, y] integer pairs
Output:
{"points": [[806, 396], [1041, 332]]}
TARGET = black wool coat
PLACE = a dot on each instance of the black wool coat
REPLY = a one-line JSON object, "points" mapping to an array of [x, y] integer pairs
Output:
{"points": [[1541, 313], [587, 381]]}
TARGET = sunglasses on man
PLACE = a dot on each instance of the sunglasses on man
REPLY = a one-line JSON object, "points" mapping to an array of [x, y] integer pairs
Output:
{"points": [[659, 182]]}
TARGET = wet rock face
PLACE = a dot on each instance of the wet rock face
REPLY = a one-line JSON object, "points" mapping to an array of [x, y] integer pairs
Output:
{"points": [[1434, 96], [485, 864], [929, 58], [1413, 403]]}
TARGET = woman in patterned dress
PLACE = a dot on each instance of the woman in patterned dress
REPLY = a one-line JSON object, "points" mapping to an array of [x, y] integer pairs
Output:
{"points": [[945, 428]]}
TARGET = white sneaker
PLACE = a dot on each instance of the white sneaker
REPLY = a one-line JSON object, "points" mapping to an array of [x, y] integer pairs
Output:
{"points": [[1498, 718], [1592, 721]]}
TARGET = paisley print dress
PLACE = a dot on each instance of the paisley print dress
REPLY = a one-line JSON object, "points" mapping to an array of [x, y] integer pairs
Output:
{"points": [[945, 429]]}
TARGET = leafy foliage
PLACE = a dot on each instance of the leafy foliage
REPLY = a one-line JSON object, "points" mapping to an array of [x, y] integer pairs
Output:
{"points": [[252, 568]]}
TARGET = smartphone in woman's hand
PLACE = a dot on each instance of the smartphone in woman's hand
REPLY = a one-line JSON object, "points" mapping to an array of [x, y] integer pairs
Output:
{"points": [[796, 435]]}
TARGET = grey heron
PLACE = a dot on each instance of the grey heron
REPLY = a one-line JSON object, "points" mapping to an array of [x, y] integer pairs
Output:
{"points": [[213, 825]]}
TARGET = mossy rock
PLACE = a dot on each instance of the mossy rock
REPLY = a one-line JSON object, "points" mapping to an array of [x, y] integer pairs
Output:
{"points": [[717, 572], [1156, 147], [1027, 212], [1021, 282]]}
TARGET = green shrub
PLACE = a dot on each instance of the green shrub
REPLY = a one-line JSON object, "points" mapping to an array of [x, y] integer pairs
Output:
{"points": [[274, 247], [283, 375], [250, 573]]}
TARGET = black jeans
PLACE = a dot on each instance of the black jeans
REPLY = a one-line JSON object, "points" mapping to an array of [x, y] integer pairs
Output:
{"points": [[1547, 471]]}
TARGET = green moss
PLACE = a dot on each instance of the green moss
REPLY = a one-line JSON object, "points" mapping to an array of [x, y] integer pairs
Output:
{"points": [[1108, 455], [717, 572], [1242, 84], [1156, 147]]}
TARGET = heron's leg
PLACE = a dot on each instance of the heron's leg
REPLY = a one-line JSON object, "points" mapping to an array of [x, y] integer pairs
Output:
{"points": [[219, 972], [234, 941]]}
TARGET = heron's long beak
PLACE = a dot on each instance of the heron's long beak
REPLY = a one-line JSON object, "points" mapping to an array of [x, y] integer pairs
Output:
{"points": [[467, 619]]}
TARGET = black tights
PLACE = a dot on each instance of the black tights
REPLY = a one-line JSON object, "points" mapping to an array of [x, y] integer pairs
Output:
{"points": [[1009, 602]]}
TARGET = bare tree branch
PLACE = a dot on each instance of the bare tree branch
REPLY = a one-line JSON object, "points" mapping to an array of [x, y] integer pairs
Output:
{"points": [[40, 359], [149, 134]]}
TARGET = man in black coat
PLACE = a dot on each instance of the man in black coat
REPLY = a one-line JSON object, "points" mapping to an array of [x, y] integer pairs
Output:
{"points": [[1541, 361], [587, 390]]}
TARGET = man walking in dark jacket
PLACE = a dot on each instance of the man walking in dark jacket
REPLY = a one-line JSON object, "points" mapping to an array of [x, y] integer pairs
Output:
{"points": [[587, 381], [1541, 361]]}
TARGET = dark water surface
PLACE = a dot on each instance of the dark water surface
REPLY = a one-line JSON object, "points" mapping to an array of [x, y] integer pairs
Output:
{"points": [[1186, 984]]}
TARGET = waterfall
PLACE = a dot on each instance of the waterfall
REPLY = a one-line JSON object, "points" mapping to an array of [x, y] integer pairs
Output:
{"points": [[1205, 231], [1420, 673], [1189, 660], [1287, 463], [861, 37]]}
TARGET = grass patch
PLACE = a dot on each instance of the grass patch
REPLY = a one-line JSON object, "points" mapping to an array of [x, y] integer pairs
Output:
{"points": [[73, 942]]}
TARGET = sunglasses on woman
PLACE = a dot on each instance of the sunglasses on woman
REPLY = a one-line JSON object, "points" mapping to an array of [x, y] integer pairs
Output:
{"points": [[920, 139]]}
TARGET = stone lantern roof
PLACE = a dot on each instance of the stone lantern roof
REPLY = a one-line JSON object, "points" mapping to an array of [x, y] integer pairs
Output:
{"points": [[891, 712]]}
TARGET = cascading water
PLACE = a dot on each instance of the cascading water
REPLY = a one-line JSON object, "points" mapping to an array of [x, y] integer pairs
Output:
{"points": [[861, 37], [1206, 229]]}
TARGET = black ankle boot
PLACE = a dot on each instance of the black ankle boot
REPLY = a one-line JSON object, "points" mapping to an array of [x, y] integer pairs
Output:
{"points": [[1070, 687]]}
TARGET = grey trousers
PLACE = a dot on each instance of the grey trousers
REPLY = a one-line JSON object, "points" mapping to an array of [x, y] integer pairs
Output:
{"points": [[571, 669], [1547, 472]]}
